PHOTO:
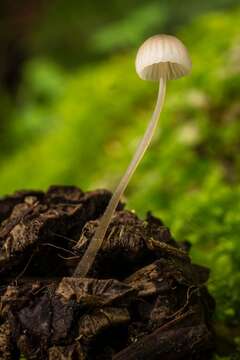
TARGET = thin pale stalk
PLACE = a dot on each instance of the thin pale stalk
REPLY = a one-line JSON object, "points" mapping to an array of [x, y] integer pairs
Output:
{"points": [[97, 240]]}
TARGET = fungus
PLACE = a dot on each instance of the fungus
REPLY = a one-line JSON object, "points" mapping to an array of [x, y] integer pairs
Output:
{"points": [[160, 58]]}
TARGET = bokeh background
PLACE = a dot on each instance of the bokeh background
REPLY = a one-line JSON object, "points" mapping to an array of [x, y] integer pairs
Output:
{"points": [[72, 110]]}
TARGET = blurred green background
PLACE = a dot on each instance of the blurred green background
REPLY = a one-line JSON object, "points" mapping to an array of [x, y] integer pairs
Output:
{"points": [[72, 110]]}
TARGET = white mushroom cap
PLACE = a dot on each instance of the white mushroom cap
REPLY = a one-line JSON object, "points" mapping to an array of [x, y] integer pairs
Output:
{"points": [[162, 56]]}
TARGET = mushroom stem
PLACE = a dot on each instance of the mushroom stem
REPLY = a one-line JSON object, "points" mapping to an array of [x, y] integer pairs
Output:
{"points": [[97, 240]]}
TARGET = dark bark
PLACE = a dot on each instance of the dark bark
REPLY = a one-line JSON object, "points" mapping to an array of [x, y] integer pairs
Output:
{"points": [[144, 299]]}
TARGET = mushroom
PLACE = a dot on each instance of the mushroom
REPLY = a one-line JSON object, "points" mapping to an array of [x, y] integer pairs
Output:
{"points": [[160, 58]]}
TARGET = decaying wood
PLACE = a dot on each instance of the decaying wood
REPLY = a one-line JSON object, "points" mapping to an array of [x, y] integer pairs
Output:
{"points": [[6, 345], [94, 292], [70, 352], [143, 299], [182, 343]]}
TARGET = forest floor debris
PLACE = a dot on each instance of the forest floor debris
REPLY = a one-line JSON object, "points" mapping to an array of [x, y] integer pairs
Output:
{"points": [[143, 298]]}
